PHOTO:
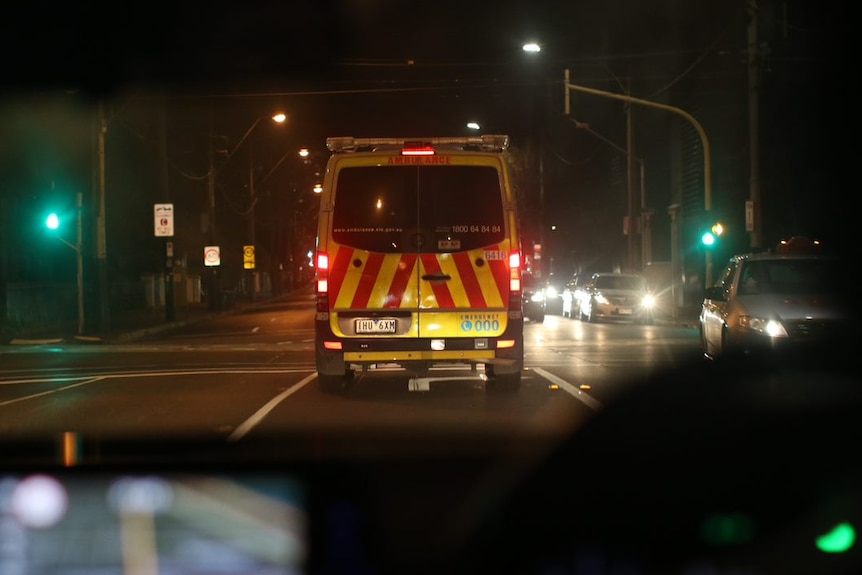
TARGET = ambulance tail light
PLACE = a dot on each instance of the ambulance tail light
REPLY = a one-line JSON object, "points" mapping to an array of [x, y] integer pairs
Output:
{"points": [[514, 281], [322, 281], [515, 273]]}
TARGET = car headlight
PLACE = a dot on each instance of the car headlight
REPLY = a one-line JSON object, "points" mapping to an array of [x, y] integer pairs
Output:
{"points": [[770, 327], [600, 298], [551, 292], [537, 297], [648, 301]]}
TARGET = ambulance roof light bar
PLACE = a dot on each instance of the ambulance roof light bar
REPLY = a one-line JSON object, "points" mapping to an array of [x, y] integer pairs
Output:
{"points": [[487, 143]]}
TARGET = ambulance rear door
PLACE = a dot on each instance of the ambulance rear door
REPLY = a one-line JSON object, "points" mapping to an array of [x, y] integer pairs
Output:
{"points": [[421, 246]]}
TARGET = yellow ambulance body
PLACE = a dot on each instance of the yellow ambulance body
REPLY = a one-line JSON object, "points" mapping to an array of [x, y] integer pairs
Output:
{"points": [[418, 259]]}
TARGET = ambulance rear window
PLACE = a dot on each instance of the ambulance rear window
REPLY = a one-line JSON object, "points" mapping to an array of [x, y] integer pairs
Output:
{"points": [[427, 209]]}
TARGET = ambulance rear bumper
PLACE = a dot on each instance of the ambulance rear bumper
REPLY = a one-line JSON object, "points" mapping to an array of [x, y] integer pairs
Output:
{"points": [[426, 351]]}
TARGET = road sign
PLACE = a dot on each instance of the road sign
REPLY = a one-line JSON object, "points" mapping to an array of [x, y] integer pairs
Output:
{"points": [[164, 220], [212, 256], [248, 257], [749, 216]]}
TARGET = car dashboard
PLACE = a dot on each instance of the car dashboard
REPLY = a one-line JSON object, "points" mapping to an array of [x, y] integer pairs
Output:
{"points": [[730, 466]]}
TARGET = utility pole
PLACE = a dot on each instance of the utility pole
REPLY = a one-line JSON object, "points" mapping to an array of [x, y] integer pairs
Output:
{"points": [[630, 188], [646, 220], [544, 271], [675, 211], [212, 291], [756, 217]]}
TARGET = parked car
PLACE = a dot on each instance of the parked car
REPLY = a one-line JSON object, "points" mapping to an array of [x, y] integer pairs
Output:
{"points": [[776, 302], [532, 298], [616, 296]]}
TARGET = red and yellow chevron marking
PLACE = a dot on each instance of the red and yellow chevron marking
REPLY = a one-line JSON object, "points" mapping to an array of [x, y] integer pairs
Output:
{"points": [[359, 279]]}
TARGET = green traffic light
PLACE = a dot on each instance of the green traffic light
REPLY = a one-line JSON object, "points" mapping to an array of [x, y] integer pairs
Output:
{"points": [[707, 239], [838, 540], [52, 222]]}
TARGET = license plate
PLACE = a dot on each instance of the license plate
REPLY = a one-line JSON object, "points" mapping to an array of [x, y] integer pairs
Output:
{"points": [[624, 311], [376, 325]]}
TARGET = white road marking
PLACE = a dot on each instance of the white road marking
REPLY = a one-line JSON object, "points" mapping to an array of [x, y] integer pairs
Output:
{"points": [[259, 415], [136, 374], [44, 393], [584, 398]]}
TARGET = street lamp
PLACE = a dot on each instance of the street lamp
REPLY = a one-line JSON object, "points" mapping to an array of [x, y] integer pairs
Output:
{"points": [[53, 223], [278, 118], [249, 263]]}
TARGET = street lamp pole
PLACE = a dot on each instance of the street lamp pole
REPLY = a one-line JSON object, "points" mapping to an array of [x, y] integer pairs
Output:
{"points": [[250, 266], [707, 171], [213, 173]]}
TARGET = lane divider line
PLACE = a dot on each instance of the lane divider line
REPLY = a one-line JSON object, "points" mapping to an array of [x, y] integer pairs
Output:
{"points": [[584, 398], [261, 413], [50, 392]]}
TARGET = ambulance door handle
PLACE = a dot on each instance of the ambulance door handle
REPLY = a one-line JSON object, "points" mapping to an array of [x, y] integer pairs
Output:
{"points": [[437, 277]]}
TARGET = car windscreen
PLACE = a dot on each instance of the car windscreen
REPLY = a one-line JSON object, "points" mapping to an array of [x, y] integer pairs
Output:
{"points": [[392, 209], [619, 282], [793, 276]]}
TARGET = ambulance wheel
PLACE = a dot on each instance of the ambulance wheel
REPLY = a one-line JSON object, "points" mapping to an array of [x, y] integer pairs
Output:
{"points": [[332, 383], [504, 382]]}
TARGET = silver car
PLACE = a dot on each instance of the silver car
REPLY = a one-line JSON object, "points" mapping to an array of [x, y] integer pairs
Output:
{"points": [[775, 301], [616, 296]]}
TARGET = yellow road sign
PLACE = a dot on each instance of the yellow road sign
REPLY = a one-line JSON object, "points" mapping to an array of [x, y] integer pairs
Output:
{"points": [[248, 257]]}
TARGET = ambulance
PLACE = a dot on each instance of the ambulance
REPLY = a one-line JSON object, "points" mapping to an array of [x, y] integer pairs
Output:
{"points": [[418, 260]]}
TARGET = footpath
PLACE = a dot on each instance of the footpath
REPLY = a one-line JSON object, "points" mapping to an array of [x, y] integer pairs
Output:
{"points": [[129, 325], [126, 325]]}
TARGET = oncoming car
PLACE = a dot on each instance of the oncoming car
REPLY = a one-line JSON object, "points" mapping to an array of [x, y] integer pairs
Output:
{"points": [[534, 298], [775, 302], [616, 296], [418, 259], [573, 293], [553, 291]]}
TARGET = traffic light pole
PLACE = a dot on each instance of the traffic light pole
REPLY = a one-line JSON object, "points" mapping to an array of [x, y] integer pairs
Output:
{"points": [[53, 223], [80, 257], [707, 171]]}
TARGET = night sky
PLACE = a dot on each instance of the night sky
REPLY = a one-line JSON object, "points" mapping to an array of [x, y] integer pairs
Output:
{"points": [[387, 68]]}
